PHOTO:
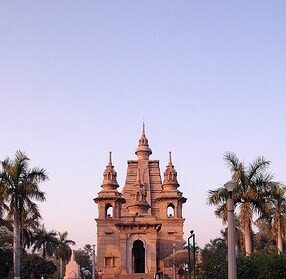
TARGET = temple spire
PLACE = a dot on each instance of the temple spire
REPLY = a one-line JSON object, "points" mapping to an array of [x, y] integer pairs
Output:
{"points": [[110, 158], [143, 151], [170, 158], [143, 129]]}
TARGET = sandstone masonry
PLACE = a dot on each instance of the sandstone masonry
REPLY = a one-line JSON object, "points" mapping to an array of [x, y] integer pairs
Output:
{"points": [[136, 229]]}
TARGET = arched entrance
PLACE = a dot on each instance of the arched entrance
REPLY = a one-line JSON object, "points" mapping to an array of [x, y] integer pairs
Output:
{"points": [[138, 257]]}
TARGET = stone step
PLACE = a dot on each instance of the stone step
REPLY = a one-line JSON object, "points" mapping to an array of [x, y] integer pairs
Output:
{"points": [[136, 276]]}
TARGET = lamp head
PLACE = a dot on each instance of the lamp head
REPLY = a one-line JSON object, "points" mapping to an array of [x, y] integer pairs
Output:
{"points": [[229, 186], [192, 231]]}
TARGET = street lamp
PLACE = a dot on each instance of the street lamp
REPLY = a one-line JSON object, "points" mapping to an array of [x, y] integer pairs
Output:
{"points": [[231, 255], [93, 261], [189, 253]]}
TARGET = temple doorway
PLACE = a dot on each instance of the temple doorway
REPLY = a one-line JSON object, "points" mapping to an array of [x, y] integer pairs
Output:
{"points": [[138, 255]]}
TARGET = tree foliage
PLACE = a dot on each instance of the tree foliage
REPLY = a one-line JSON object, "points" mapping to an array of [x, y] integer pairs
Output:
{"points": [[63, 250], [213, 260], [263, 265], [253, 193], [19, 189], [37, 265], [267, 264], [83, 258], [45, 241], [6, 251]]}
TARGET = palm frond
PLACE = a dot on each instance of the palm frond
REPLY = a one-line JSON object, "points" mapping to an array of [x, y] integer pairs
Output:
{"points": [[217, 196], [231, 160], [259, 165]]}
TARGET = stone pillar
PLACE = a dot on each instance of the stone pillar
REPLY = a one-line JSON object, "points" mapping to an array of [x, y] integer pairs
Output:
{"points": [[123, 249], [179, 210], [152, 247]]}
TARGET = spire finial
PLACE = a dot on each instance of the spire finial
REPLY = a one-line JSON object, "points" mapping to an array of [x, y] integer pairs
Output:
{"points": [[72, 255], [110, 158], [143, 130], [170, 158]]}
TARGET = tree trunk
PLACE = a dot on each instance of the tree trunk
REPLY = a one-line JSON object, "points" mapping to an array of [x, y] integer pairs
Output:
{"points": [[44, 252], [16, 245], [61, 268], [279, 237], [247, 237]]}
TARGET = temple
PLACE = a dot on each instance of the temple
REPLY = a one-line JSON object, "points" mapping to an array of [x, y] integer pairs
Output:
{"points": [[140, 226]]}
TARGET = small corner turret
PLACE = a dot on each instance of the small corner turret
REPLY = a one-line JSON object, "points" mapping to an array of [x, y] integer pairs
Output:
{"points": [[109, 176], [170, 199], [109, 200], [170, 176]]}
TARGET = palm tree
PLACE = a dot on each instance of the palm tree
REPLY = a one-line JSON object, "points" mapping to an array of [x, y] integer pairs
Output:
{"points": [[276, 212], [29, 224], [45, 241], [19, 187], [219, 198], [63, 251], [251, 183]]}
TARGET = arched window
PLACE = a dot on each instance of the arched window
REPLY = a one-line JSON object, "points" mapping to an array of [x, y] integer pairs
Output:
{"points": [[109, 211], [170, 210]]}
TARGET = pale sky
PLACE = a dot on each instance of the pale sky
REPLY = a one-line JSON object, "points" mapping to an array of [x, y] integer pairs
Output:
{"points": [[77, 78]]}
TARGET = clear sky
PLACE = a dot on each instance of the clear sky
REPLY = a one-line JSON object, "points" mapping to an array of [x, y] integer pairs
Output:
{"points": [[77, 78]]}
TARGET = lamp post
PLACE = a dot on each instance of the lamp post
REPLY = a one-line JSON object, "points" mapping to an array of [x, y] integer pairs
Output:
{"points": [[93, 261], [174, 267], [189, 253], [231, 255]]}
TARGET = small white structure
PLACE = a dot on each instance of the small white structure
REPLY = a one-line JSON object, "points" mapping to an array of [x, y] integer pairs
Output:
{"points": [[72, 269]]}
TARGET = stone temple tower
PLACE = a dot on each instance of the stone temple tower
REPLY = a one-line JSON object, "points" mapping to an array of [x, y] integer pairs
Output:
{"points": [[136, 229]]}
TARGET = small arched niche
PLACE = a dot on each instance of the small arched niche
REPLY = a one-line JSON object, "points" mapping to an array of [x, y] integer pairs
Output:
{"points": [[108, 211], [170, 210]]}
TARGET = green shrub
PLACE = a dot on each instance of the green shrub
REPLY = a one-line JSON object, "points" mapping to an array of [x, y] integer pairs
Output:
{"points": [[263, 265], [37, 265]]}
